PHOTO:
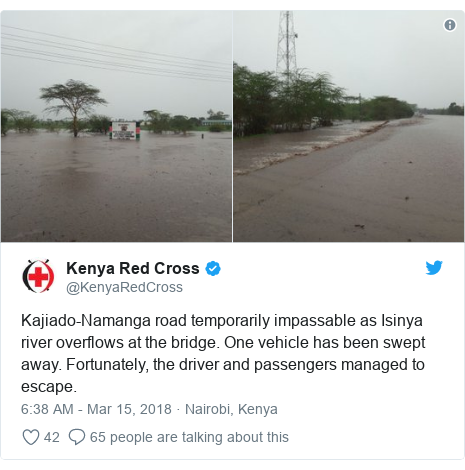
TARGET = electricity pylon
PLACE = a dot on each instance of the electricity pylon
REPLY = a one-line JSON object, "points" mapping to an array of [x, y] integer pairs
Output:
{"points": [[286, 62]]}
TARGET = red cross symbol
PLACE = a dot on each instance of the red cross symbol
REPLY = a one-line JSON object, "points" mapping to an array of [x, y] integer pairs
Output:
{"points": [[38, 277]]}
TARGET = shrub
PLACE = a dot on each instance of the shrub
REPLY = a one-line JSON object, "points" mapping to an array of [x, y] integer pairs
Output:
{"points": [[4, 122], [216, 128], [21, 121]]}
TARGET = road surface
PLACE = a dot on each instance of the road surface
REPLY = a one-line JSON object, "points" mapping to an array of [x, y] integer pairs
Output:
{"points": [[402, 183]]}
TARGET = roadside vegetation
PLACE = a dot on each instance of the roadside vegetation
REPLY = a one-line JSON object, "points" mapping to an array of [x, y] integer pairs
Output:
{"points": [[78, 99], [159, 122], [25, 122], [264, 102], [75, 97], [453, 110], [20, 121], [379, 108], [218, 128]]}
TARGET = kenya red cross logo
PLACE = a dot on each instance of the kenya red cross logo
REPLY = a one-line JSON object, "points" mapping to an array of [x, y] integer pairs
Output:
{"points": [[38, 276]]}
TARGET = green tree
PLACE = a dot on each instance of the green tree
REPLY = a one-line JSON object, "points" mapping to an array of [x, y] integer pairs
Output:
{"points": [[216, 128], [352, 108], [195, 121], [157, 121], [303, 97], [20, 121], [181, 124], [329, 99], [76, 97], [263, 102], [80, 126], [99, 123], [382, 108], [254, 100], [455, 110], [216, 115], [5, 116], [50, 126]]}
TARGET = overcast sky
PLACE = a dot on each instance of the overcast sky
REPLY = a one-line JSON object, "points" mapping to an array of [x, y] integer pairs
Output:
{"points": [[203, 36], [407, 55]]}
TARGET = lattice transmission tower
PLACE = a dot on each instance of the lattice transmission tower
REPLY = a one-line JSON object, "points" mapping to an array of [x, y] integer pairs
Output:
{"points": [[286, 62]]}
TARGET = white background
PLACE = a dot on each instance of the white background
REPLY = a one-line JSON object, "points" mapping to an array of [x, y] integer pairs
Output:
{"points": [[327, 414], [389, 275]]}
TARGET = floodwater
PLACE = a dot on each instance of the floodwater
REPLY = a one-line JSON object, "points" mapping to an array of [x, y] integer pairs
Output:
{"points": [[162, 188], [404, 182], [257, 152]]}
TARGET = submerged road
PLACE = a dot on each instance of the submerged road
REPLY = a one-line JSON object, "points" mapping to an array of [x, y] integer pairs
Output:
{"points": [[92, 189], [402, 183]]}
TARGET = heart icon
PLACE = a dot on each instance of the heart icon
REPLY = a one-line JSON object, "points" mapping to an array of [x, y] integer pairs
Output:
{"points": [[31, 436]]}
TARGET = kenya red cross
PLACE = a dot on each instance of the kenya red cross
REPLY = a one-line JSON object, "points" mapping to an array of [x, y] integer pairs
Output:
{"points": [[38, 277]]}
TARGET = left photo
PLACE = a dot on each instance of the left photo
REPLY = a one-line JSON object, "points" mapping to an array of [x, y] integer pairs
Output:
{"points": [[116, 126]]}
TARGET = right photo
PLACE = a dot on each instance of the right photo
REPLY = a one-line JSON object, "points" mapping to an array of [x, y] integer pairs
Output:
{"points": [[348, 126]]}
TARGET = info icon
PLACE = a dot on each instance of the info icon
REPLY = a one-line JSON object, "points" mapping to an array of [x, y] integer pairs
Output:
{"points": [[450, 25], [38, 276]]}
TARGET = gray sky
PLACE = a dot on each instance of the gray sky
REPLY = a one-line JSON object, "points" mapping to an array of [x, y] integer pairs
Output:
{"points": [[204, 36], [407, 55]]}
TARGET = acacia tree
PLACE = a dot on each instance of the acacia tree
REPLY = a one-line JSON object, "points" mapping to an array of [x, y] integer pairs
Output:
{"points": [[158, 121], [215, 115], [181, 124], [21, 121], [254, 100], [264, 102], [76, 97]]}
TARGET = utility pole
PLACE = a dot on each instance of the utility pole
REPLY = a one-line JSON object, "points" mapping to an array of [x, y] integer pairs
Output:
{"points": [[286, 61], [360, 106]]}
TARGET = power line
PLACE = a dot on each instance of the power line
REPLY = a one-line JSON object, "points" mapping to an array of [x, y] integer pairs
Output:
{"points": [[112, 70], [120, 55], [113, 64], [115, 47]]}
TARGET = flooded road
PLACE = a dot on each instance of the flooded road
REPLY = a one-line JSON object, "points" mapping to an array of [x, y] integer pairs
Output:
{"points": [[162, 188], [401, 183], [257, 152]]}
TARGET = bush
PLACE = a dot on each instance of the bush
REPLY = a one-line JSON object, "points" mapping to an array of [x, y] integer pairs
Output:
{"points": [[4, 122], [25, 124], [382, 108], [265, 102], [99, 123], [21, 121], [81, 126], [216, 128], [51, 126]]}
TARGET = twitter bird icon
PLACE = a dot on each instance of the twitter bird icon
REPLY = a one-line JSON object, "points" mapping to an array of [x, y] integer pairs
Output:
{"points": [[433, 268]]}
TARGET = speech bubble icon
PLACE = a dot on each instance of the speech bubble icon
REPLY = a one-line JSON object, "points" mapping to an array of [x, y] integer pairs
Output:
{"points": [[77, 436]]}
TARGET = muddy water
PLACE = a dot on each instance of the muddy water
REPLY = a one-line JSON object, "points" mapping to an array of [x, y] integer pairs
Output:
{"points": [[162, 188], [403, 183], [255, 153]]}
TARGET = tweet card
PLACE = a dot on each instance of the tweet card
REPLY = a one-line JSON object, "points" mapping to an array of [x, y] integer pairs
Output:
{"points": [[232, 235], [211, 354]]}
